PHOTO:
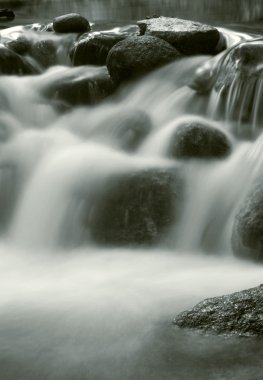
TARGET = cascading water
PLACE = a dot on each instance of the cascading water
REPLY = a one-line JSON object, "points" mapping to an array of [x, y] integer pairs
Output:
{"points": [[74, 309]]}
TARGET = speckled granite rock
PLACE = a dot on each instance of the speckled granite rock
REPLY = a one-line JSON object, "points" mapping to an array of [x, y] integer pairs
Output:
{"points": [[188, 37], [239, 313]]}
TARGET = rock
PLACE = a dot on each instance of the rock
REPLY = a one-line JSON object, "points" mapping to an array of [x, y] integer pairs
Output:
{"points": [[7, 15], [242, 61], [124, 129], [238, 81], [198, 139], [13, 64], [20, 45], [239, 313], [247, 234], [133, 208], [84, 90], [44, 52], [94, 49], [71, 23], [188, 37], [136, 56]]}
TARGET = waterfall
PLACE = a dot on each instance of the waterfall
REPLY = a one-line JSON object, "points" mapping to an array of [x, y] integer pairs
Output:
{"points": [[107, 229]]}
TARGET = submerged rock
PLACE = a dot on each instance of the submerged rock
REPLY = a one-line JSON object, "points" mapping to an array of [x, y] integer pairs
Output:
{"points": [[239, 82], [188, 37], [239, 313], [134, 208], [136, 56], [20, 45], [44, 52], [84, 90], [198, 139], [94, 49], [71, 23], [125, 129], [13, 64], [247, 234]]}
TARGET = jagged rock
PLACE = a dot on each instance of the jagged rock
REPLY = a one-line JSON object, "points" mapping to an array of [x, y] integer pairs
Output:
{"points": [[136, 56], [7, 15], [71, 23], [134, 208], [83, 90], [239, 313], [247, 234], [94, 49], [198, 139], [13, 64], [188, 37]]}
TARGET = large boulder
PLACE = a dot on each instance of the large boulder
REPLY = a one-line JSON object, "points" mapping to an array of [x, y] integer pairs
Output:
{"points": [[87, 89], [136, 56], [134, 208], [94, 49], [71, 23], [239, 313], [198, 139], [13, 64], [247, 234], [188, 37]]}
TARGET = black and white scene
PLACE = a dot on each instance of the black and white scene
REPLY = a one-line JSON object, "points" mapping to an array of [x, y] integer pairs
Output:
{"points": [[131, 189]]}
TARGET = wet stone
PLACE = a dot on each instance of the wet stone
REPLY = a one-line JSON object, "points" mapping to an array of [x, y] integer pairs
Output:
{"points": [[13, 64], [71, 23], [94, 49], [247, 233], [198, 139], [7, 15], [83, 90], [239, 313], [188, 37], [136, 56], [134, 208]]}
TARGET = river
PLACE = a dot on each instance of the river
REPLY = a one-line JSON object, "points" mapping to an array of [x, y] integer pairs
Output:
{"points": [[71, 309]]}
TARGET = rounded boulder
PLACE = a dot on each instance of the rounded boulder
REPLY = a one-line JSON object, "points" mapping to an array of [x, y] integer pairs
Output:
{"points": [[138, 55]]}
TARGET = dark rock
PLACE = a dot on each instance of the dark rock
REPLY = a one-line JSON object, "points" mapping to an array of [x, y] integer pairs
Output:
{"points": [[243, 61], [71, 23], [44, 52], [238, 80], [94, 49], [188, 37], [20, 45], [198, 139], [136, 56], [247, 235], [235, 314], [134, 208], [13, 64], [7, 15], [84, 90]]}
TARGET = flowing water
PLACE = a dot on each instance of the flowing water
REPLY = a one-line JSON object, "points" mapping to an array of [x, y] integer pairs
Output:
{"points": [[73, 310]]}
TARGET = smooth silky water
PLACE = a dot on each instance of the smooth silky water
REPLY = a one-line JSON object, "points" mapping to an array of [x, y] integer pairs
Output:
{"points": [[72, 310]]}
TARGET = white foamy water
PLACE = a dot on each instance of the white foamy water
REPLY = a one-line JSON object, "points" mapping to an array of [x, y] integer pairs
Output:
{"points": [[72, 309]]}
